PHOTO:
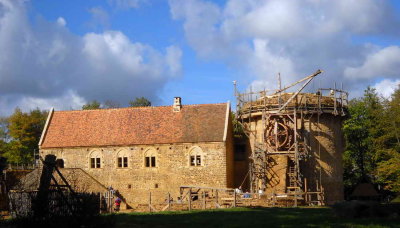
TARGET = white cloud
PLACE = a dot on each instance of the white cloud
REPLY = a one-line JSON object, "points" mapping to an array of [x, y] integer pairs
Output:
{"points": [[384, 63], [46, 65], [294, 38], [69, 100], [126, 4], [61, 21], [173, 58], [386, 87]]}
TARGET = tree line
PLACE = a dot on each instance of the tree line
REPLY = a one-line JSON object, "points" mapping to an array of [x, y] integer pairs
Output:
{"points": [[372, 134]]}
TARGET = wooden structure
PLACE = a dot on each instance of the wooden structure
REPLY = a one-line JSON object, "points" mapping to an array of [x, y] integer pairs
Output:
{"points": [[284, 131]]}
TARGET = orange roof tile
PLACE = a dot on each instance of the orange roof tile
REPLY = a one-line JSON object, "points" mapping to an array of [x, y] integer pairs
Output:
{"points": [[133, 126]]}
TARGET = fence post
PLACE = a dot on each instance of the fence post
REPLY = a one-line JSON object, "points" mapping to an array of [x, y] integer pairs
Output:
{"points": [[100, 202], [234, 198], [216, 198], [190, 199], [169, 201], [149, 201], [204, 200]]}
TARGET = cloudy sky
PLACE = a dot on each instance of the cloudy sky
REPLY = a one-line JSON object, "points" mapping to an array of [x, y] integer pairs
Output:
{"points": [[64, 53]]}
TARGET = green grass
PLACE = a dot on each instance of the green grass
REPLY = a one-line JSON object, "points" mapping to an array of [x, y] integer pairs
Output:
{"points": [[245, 217], [237, 217], [396, 200]]}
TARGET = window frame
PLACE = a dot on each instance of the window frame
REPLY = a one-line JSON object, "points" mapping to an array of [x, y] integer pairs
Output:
{"points": [[95, 160], [150, 158], [196, 157], [122, 159]]}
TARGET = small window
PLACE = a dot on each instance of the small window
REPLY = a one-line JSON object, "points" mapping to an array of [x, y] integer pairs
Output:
{"points": [[122, 162], [195, 160], [98, 163], [125, 162], [95, 163], [122, 158], [150, 157], [92, 163], [95, 160], [196, 156], [151, 161]]}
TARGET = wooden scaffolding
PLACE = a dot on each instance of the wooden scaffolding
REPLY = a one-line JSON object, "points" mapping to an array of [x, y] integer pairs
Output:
{"points": [[281, 113]]}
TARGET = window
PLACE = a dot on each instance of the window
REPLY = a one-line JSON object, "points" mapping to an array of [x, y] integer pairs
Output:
{"points": [[195, 160], [150, 158], [150, 161], [95, 160], [122, 159], [195, 156], [122, 162], [95, 163]]}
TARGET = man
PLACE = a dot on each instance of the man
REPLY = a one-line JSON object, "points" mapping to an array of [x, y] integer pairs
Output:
{"points": [[117, 204]]}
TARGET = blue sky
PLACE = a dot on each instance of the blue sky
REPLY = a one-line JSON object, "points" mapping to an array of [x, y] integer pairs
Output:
{"points": [[64, 53]]}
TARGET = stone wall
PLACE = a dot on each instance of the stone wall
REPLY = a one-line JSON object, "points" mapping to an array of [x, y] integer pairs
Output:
{"points": [[173, 168], [327, 143]]}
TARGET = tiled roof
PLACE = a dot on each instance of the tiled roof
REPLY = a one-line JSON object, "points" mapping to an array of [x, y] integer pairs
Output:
{"points": [[133, 126]]}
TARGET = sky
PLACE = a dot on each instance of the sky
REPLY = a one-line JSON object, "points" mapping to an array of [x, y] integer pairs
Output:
{"points": [[63, 54]]}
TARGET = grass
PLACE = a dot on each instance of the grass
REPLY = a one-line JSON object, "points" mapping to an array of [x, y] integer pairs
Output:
{"points": [[236, 217], [246, 217], [396, 200]]}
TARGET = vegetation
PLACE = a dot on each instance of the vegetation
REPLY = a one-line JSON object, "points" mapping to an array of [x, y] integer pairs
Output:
{"points": [[91, 105], [372, 141], [20, 134], [246, 217], [137, 102], [236, 217], [140, 102]]}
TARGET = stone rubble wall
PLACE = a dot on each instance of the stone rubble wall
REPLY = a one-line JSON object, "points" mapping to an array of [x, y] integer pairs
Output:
{"points": [[134, 183]]}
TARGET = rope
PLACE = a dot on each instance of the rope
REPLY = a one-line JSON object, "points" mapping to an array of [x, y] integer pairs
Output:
{"points": [[244, 178]]}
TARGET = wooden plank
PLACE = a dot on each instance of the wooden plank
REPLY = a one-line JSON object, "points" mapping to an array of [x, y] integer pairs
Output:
{"points": [[190, 199], [166, 206]]}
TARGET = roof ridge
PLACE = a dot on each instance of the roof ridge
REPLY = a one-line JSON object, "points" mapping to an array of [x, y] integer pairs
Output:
{"points": [[141, 107]]}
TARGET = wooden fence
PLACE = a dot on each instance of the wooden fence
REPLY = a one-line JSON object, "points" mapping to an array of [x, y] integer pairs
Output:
{"points": [[22, 203]]}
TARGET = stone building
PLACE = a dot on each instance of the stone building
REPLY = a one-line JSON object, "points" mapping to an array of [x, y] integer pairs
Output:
{"points": [[137, 150]]}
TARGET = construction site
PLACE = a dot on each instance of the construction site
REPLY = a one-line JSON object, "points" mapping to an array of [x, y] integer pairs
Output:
{"points": [[295, 142], [290, 155]]}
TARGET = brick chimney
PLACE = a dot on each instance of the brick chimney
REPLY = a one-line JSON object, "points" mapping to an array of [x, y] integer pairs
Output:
{"points": [[177, 104]]}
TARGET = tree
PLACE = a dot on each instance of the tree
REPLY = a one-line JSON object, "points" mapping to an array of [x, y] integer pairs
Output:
{"points": [[388, 168], [24, 130], [4, 137], [91, 105], [140, 102], [111, 104], [360, 131]]}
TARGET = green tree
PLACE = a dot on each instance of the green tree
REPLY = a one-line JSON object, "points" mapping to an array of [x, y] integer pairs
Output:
{"points": [[360, 131], [91, 105], [388, 157], [140, 102], [24, 130], [4, 137]]}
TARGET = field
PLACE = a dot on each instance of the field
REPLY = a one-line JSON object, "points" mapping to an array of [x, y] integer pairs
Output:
{"points": [[236, 217], [245, 217]]}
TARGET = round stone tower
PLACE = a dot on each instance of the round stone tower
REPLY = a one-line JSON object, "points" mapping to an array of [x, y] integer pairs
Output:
{"points": [[296, 143]]}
